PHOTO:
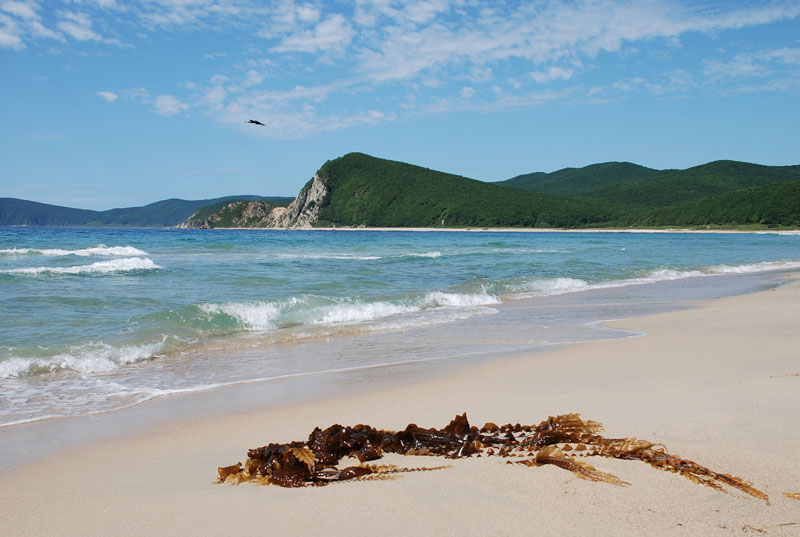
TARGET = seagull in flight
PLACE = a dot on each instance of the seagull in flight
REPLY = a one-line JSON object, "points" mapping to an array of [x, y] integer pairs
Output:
{"points": [[255, 122]]}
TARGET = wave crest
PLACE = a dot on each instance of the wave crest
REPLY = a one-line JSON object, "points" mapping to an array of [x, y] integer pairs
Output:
{"points": [[129, 264], [87, 358], [99, 250]]}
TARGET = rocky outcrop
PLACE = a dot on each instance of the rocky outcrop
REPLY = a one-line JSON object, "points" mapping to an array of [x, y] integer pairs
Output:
{"points": [[302, 213]]}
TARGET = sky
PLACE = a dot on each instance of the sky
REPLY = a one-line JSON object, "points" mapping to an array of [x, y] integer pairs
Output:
{"points": [[110, 103]]}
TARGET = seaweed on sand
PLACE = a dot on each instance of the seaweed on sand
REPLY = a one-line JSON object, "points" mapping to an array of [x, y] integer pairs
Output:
{"points": [[314, 462]]}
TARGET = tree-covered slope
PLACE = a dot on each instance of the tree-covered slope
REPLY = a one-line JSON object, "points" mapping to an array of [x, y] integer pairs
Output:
{"points": [[639, 189], [773, 205], [675, 187], [373, 192], [166, 213], [17, 212], [573, 182]]}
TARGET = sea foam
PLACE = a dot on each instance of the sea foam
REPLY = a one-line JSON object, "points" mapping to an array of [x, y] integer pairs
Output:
{"points": [[128, 264], [555, 286], [99, 250], [310, 310], [87, 358]]}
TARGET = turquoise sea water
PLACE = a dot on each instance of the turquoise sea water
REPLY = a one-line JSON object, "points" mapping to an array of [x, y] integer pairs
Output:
{"points": [[93, 320]]}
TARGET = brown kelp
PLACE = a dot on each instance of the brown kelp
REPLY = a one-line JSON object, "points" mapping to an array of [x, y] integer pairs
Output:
{"points": [[558, 441]]}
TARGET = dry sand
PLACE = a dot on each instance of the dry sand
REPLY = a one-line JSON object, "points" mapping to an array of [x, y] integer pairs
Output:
{"points": [[719, 384]]}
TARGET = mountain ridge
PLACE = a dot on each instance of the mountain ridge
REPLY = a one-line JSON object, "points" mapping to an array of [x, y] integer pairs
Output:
{"points": [[164, 213], [359, 190]]}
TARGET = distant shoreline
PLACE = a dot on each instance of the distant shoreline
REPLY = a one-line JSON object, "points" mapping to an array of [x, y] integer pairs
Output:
{"points": [[454, 230], [518, 230]]}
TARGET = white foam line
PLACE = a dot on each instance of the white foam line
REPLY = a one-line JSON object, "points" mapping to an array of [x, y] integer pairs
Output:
{"points": [[205, 387], [99, 250], [128, 264]]}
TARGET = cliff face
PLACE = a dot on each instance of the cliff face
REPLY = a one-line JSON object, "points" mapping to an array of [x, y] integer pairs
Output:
{"points": [[302, 213]]}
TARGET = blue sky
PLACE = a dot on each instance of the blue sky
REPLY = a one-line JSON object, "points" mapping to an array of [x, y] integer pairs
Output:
{"points": [[106, 103]]}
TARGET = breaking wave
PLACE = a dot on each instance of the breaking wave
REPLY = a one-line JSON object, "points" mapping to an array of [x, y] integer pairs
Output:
{"points": [[129, 264], [99, 250], [312, 310], [556, 286], [86, 358]]}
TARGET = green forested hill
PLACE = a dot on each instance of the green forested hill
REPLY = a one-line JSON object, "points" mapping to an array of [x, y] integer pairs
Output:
{"points": [[579, 181], [373, 192], [774, 205], [674, 187], [361, 190], [17, 212], [637, 188], [166, 213]]}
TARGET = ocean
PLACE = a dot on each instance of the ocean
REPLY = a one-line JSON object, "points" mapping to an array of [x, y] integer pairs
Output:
{"points": [[96, 320]]}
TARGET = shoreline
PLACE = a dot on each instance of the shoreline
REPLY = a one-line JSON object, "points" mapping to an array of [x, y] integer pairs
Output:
{"points": [[717, 383], [513, 230]]}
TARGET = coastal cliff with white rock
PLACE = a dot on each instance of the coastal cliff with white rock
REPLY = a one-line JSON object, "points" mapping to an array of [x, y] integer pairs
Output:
{"points": [[302, 213]]}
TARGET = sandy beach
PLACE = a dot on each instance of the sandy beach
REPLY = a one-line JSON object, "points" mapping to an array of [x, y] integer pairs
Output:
{"points": [[718, 383]]}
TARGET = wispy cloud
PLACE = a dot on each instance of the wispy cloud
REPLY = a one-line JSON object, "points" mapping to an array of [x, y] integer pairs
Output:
{"points": [[333, 33], [369, 61], [169, 105], [108, 96], [78, 26], [768, 70], [754, 64], [554, 72]]}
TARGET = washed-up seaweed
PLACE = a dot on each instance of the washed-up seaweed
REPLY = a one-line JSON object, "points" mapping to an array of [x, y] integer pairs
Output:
{"points": [[558, 441]]}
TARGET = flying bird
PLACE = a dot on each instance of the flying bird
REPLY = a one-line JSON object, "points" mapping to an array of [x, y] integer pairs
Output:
{"points": [[255, 122]]}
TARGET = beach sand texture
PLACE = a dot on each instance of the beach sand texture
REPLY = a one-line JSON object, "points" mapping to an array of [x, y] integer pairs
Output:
{"points": [[718, 384]]}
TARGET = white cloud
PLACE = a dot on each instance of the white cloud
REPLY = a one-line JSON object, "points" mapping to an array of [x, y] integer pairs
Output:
{"points": [[333, 32], [762, 63], [425, 55], [214, 98], [676, 82], [253, 78], [134, 93], [308, 13], [108, 96], [37, 29], [20, 9], [9, 34], [169, 105], [425, 11], [78, 25], [552, 73], [480, 74]]}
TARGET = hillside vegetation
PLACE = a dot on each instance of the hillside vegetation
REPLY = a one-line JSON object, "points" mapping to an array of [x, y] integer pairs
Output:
{"points": [[360, 190], [373, 192], [636, 187], [579, 182], [166, 213], [775, 205]]}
